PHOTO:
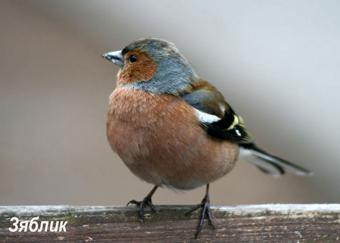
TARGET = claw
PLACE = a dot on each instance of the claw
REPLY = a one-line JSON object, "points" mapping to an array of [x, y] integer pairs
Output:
{"points": [[133, 202], [146, 202], [205, 213]]}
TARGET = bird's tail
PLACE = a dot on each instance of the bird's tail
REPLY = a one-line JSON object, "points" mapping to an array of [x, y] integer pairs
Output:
{"points": [[269, 163]]}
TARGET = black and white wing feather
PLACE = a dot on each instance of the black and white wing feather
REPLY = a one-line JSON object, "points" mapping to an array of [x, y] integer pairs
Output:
{"points": [[220, 121]]}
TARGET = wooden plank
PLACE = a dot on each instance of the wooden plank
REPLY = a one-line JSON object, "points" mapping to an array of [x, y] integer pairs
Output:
{"points": [[247, 223]]}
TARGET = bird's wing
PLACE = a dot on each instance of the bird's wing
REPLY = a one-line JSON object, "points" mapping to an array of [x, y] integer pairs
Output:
{"points": [[215, 114], [220, 121]]}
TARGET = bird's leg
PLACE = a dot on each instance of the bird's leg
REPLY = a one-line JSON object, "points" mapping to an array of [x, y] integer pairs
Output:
{"points": [[205, 212], [146, 202]]}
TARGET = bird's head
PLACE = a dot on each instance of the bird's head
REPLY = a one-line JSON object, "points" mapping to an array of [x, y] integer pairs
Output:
{"points": [[153, 65]]}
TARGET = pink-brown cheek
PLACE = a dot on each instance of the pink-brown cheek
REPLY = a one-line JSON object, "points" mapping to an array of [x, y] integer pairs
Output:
{"points": [[143, 70]]}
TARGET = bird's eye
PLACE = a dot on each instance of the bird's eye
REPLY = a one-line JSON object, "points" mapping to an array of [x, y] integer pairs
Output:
{"points": [[133, 58]]}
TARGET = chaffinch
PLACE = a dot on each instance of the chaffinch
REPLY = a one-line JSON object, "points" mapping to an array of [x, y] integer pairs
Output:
{"points": [[174, 129]]}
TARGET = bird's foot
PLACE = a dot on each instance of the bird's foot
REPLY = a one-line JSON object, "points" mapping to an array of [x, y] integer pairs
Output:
{"points": [[205, 213], [145, 203]]}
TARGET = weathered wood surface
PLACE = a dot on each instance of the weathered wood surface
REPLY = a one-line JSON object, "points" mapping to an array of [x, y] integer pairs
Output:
{"points": [[248, 223]]}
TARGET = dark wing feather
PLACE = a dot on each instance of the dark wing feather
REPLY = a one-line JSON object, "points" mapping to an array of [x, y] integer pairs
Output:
{"points": [[206, 98], [231, 127]]}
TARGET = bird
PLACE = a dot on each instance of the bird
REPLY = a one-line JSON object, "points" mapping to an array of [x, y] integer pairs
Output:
{"points": [[174, 129]]}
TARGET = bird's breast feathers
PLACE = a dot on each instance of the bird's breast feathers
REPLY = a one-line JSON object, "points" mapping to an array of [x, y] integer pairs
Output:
{"points": [[142, 108], [162, 140]]}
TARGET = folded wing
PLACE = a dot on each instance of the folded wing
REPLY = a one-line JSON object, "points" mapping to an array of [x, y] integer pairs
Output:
{"points": [[220, 121]]}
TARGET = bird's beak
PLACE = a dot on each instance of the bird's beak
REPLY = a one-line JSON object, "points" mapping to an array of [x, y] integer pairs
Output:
{"points": [[115, 56]]}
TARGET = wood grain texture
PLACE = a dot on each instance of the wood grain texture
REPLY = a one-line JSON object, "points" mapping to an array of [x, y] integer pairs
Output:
{"points": [[248, 223]]}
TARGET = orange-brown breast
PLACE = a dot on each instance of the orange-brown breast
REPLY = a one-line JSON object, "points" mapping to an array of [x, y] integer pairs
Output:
{"points": [[161, 141]]}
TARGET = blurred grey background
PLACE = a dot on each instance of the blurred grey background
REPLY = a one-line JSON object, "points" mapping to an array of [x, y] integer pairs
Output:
{"points": [[277, 63]]}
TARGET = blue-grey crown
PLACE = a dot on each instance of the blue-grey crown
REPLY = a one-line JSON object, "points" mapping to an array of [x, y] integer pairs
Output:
{"points": [[174, 72]]}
